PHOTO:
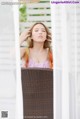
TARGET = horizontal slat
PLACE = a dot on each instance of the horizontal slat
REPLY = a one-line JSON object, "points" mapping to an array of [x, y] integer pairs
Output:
{"points": [[29, 24], [7, 62], [6, 43], [7, 67], [7, 34], [57, 21], [4, 50], [7, 38], [73, 27], [6, 55], [38, 18], [38, 11], [40, 5], [57, 15], [72, 9]]}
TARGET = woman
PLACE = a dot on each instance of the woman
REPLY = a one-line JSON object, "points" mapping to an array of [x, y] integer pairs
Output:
{"points": [[38, 53]]}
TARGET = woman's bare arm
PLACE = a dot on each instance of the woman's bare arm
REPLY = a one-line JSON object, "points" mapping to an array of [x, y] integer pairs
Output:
{"points": [[23, 37], [22, 52]]}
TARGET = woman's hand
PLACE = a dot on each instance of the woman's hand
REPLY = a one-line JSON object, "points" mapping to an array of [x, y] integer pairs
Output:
{"points": [[23, 36]]}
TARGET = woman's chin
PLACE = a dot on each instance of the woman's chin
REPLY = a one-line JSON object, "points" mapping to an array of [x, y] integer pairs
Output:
{"points": [[39, 41]]}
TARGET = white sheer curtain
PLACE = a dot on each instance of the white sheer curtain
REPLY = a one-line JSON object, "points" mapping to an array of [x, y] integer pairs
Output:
{"points": [[66, 47], [19, 96]]}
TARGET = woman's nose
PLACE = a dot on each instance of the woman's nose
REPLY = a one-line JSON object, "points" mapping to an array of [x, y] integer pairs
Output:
{"points": [[40, 31]]}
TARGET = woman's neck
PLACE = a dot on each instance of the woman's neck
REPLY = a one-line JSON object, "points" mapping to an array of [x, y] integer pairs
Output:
{"points": [[38, 46]]}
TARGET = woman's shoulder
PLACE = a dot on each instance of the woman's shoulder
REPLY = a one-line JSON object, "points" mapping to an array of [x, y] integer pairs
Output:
{"points": [[51, 58], [26, 54], [51, 55], [27, 50], [50, 52], [23, 49]]}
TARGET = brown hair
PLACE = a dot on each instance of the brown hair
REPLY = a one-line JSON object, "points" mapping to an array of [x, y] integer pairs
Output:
{"points": [[47, 43]]}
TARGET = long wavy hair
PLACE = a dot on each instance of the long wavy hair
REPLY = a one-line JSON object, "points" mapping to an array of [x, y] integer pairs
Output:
{"points": [[47, 42]]}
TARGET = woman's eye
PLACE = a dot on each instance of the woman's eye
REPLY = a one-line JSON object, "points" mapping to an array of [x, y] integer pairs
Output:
{"points": [[40, 30], [36, 30], [43, 31]]}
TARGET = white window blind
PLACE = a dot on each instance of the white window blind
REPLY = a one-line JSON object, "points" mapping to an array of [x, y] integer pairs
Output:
{"points": [[7, 52], [7, 62]]}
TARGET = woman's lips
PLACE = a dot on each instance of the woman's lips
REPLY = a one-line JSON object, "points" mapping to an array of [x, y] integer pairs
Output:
{"points": [[40, 36]]}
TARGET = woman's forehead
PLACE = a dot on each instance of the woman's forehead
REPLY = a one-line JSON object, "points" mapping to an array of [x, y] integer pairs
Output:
{"points": [[38, 26]]}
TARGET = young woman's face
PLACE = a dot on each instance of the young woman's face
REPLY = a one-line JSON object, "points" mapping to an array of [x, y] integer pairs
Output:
{"points": [[39, 33]]}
